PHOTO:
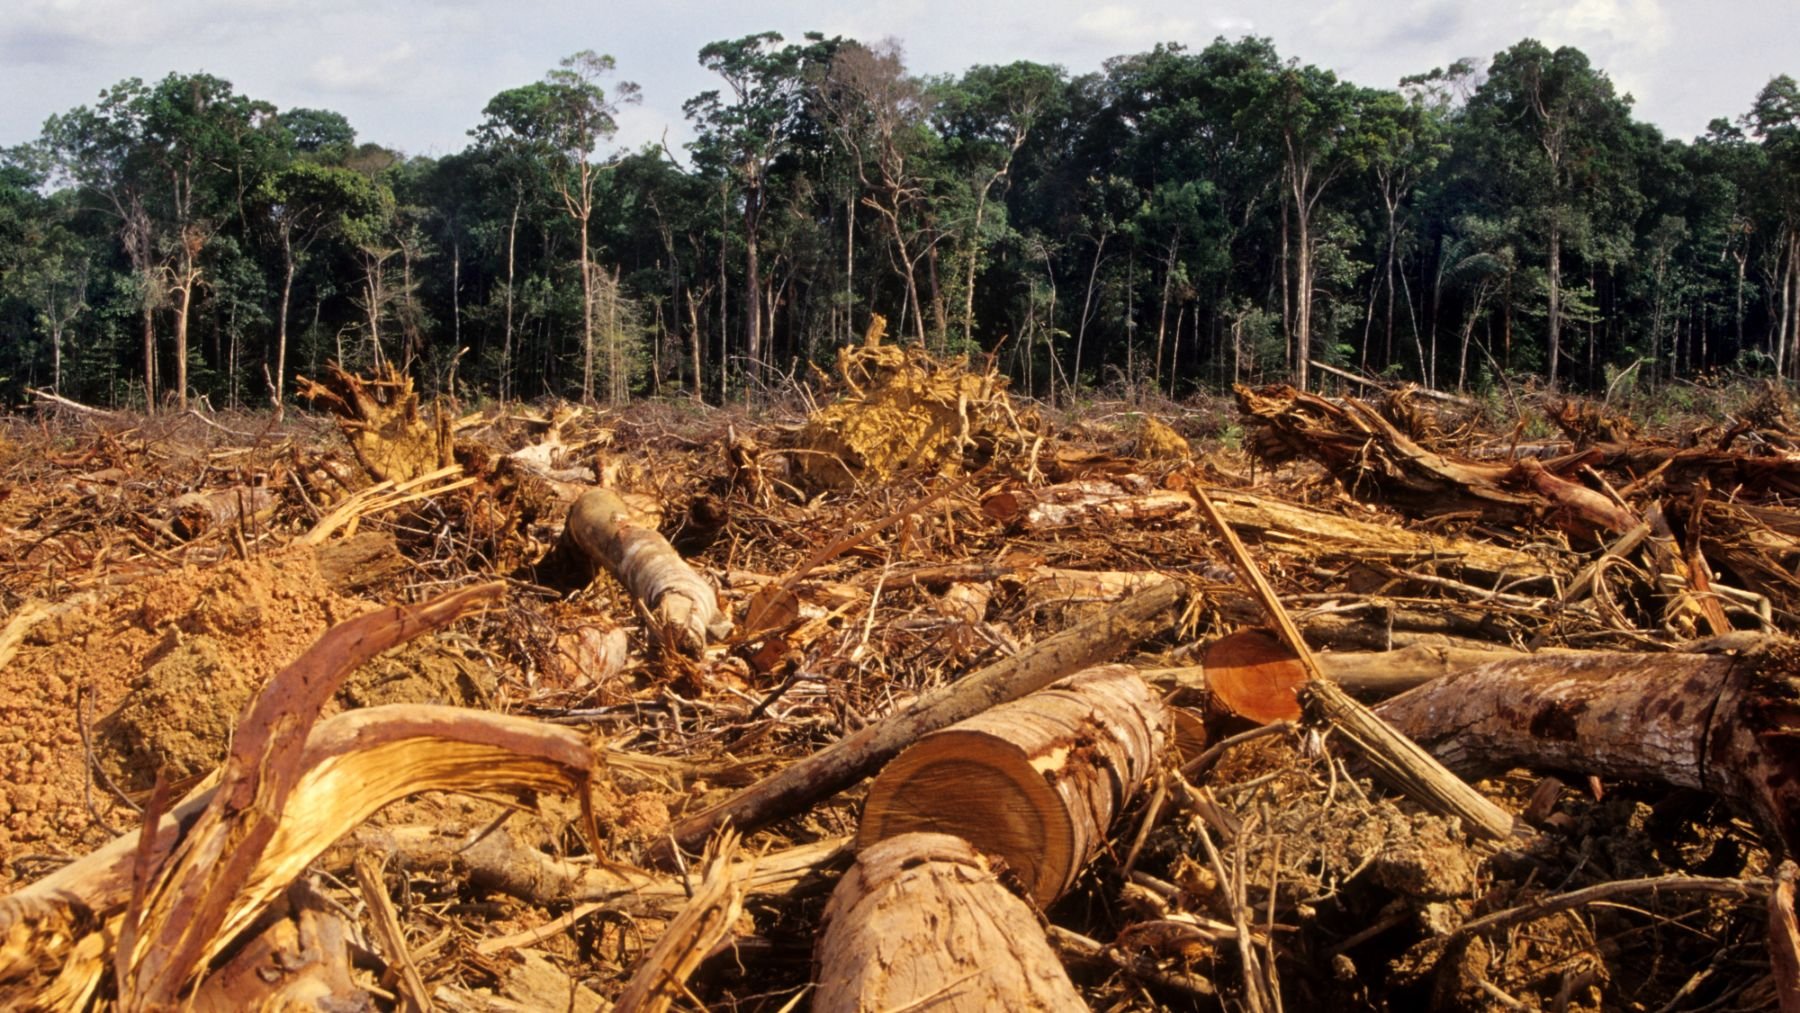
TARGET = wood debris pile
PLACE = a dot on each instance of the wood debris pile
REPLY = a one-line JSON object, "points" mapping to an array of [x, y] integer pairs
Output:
{"points": [[914, 700]]}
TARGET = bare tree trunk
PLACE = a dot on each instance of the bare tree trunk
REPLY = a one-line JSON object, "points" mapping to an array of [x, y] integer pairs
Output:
{"points": [[183, 302], [1087, 303], [1162, 314], [587, 315], [753, 336], [149, 321], [506, 348], [281, 328], [56, 343], [1304, 285], [694, 343], [1555, 308]]}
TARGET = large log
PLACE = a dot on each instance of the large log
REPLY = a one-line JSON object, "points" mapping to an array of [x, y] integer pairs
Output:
{"points": [[921, 921], [1728, 724], [861, 753], [1036, 781], [684, 605]]}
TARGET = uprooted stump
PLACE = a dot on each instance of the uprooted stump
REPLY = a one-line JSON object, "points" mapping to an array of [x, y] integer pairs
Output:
{"points": [[1036, 782], [380, 417], [900, 409], [922, 921]]}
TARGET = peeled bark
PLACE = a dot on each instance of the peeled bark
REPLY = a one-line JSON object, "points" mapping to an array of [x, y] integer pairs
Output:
{"points": [[921, 921], [1719, 723], [684, 605], [1036, 782]]}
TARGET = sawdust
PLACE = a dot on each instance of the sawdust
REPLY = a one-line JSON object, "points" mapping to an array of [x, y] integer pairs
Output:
{"points": [[901, 409], [153, 673]]}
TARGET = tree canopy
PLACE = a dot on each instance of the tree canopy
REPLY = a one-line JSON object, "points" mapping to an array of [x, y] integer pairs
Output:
{"points": [[1181, 218]]}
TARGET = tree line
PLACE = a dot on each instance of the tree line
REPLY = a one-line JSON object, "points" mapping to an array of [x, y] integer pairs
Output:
{"points": [[1180, 219]]}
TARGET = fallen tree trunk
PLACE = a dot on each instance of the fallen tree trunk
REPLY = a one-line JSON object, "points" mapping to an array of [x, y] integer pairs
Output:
{"points": [[685, 607], [856, 756], [1284, 527], [921, 921], [1035, 782], [1367, 452], [1719, 723], [1368, 675]]}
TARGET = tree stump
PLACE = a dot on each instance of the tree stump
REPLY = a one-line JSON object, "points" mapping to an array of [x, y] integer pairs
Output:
{"points": [[921, 921], [1035, 782]]}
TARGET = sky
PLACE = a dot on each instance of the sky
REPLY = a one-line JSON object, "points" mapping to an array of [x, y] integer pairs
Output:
{"points": [[415, 74]]}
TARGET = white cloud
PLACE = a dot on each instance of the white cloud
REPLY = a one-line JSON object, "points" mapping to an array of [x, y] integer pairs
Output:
{"points": [[1130, 27], [374, 73]]}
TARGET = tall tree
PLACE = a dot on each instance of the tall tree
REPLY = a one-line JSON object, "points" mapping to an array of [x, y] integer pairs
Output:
{"points": [[300, 205], [1552, 126], [1317, 119], [169, 163], [743, 134], [986, 117], [562, 120]]}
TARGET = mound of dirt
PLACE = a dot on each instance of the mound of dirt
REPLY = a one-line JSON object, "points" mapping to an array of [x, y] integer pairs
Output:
{"points": [[152, 675]]}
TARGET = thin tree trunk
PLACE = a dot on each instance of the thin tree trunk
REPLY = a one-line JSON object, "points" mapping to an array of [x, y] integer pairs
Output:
{"points": [[1555, 309], [281, 327], [753, 289], [1087, 304], [149, 321], [1162, 314], [587, 314], [183, 303], [849, 334], [506, 349], [694, 344]]}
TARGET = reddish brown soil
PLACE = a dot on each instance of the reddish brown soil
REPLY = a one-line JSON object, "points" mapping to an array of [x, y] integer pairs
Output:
{"points": [[180, 652]]}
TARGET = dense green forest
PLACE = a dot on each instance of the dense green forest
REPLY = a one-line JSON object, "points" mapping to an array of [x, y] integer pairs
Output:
{"points": [[1181, 219]]}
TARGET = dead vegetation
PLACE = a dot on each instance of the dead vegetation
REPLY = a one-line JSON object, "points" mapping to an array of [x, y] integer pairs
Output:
{"points": [[571, 708]]}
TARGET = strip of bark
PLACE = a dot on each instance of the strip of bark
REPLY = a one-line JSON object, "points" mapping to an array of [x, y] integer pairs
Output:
{"points": [[661, 977]]}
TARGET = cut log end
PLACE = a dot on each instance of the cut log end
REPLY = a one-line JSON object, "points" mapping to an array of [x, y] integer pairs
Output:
{"points": [[1034, 782], [1253, 675]]}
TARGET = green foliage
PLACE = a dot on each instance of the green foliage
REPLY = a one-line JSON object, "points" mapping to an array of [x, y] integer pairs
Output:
{"points": [[1194, 216]]}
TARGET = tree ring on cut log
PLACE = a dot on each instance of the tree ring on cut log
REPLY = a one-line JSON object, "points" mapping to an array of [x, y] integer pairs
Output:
{"points": [[1254, 675], [972, 783], [1034, 782]]}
